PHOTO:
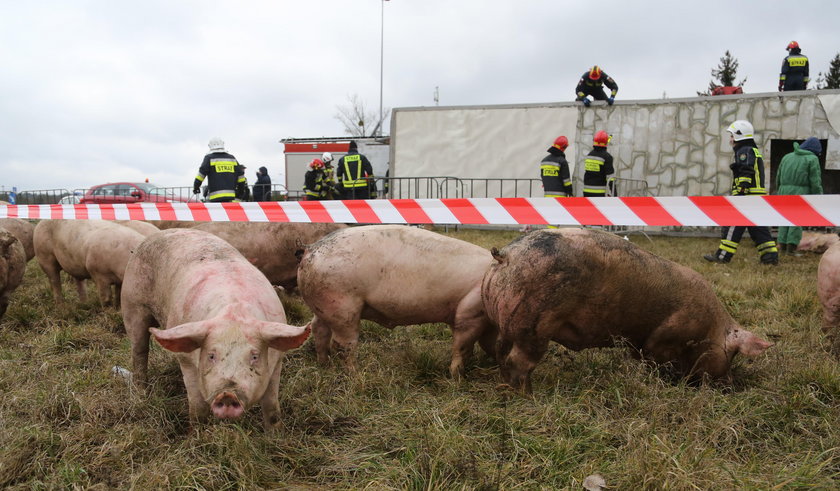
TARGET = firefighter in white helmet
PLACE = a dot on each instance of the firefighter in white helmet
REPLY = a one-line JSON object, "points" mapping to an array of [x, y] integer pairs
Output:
{"points": [[330, 189], [225, 175], [748, 179]]}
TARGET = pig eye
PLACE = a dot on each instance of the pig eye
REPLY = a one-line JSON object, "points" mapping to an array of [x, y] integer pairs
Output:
{"points": [[254, 357], [212, 357]]}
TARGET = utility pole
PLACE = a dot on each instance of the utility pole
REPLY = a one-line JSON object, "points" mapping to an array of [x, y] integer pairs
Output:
{"points": [[381, 63]]}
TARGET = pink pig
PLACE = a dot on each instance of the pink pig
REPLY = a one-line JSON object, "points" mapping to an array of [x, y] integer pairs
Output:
{"points": [[217, 313], [828, 289], [396, 276]]}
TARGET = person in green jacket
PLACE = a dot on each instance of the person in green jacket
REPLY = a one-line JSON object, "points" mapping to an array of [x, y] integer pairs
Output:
{"points": [[799, 173]]}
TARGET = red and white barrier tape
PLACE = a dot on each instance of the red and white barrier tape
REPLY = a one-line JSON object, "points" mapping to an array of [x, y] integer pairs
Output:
{"points": [[817, 210]]}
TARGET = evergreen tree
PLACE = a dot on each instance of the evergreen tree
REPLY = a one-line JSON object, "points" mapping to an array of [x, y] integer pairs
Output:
{"points": [[830, 80], [725, 73]]}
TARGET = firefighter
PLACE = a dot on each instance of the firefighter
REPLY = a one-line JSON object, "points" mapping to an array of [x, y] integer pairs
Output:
{"points": [[554, 170], [355, 175], [598, 167], [794, 74], [330, 190], [314, 187], [225, 176], [592, 82], [748, 178]]}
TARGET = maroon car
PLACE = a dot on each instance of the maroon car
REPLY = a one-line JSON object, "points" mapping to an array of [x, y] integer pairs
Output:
{"points": [[129, 192]]}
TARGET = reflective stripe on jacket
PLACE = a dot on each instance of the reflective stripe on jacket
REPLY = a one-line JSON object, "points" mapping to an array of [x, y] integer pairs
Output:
{"points": [[748, 170]]}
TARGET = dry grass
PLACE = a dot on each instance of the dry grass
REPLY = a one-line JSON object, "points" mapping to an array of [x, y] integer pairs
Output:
{"points": [[401, 423]]}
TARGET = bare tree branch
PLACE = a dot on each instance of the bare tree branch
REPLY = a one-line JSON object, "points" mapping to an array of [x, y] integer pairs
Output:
{"points": [[359, 121]]}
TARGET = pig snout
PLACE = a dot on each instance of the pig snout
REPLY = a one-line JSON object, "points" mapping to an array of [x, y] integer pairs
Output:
{"points": [[226, 405]]}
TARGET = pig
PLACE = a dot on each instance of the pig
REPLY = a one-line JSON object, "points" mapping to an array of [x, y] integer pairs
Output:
{"points": [[271, 247], [85, 249], [816, 242], [828, 289], [167, 224], [12, 267], [107, 250], [23, 230], [587, 288], [202, 300], [144, 228], [394, 275]]}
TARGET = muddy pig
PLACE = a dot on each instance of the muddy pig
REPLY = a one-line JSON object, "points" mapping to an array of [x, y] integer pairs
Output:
{"points": [[271, 246], [12, 267], [394, 275], [85, 249], [828, 289], [23, 230], [587, 288], [217, 313]]}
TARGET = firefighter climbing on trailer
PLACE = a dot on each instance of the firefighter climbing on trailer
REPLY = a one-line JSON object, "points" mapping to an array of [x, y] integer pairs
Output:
{"points": [[591, 84]]}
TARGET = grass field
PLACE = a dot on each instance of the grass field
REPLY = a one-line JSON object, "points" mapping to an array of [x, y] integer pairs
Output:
{"points": [[402, 423]]}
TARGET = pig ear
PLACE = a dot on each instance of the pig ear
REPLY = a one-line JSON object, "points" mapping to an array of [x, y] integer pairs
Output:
{"points": [[182, 339], [283, 337], [749, 344], [498, 255]]}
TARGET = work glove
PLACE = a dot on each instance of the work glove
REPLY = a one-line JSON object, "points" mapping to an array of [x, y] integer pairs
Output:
{"points": [[196, 191], [586, 101], [781, 86], [611, 100]]}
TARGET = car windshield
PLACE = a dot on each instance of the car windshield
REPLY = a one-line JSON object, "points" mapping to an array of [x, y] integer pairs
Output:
{"points": [[151, 188]]}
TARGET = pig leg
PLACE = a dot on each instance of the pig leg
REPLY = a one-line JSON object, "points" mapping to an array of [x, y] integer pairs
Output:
{"points": [[53, 271], [321, 335], [518, 357], [137, 322], [487, 340], [104, 289], [4, 304], [117, 294], [80, 289], [342, 321], [199, 408], [270, 401], [470, 323]]}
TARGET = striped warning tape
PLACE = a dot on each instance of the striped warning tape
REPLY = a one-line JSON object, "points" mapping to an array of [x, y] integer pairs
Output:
{"points": [[817, 210]]}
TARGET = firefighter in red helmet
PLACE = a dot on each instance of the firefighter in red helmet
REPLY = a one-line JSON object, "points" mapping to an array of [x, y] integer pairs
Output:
{"points": [[794, 74], [591, 84], [314, 184], [554, 170], [598, 167]]}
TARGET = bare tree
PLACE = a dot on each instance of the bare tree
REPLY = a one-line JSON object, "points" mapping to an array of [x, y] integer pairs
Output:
{"points": [[358, 120]]}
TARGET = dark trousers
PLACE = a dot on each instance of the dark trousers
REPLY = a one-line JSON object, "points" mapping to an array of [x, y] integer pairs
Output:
{"points": [[362, 192], [730, 238], [596, 93]]}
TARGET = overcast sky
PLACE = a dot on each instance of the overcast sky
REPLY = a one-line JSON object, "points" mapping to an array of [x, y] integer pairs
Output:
{"points": [[97, 91]]}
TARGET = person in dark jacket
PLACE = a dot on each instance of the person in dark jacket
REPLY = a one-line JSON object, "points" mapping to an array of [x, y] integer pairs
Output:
{"points": [[794, 74], [591, 84], [314, 184], [262, 188], [799, 173], [554, 171], [354, 175], [748, 178], [598, 167], [225, 176]]}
